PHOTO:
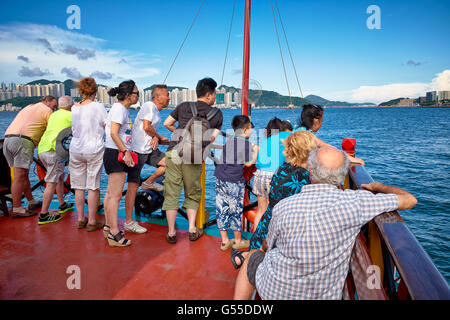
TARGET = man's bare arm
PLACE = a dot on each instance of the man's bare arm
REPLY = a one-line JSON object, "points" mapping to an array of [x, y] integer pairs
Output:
{"points": [[169, 123], [406, 200]]}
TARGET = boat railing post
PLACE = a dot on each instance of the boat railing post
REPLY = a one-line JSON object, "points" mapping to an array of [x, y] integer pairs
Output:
{"points": [[202, 214]]}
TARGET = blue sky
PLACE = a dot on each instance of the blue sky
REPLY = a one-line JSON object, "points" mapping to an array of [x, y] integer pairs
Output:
{"points": [[336, 55]]}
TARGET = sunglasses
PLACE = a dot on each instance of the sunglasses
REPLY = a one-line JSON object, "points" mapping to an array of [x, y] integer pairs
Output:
{"points": [[135, 92]]}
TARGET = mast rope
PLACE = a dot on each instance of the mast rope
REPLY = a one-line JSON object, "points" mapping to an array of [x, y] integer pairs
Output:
{"points": [[289, 49], [187, 34], [228, 43], [282, 60]]}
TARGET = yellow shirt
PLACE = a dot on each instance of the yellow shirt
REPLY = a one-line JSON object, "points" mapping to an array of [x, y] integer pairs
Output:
{"points": [[31, 121]]}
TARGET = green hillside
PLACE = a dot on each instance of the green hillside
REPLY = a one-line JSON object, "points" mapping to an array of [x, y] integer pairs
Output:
{"points": [[324, 102], [21, 101], [390, 102], [169, 88]]}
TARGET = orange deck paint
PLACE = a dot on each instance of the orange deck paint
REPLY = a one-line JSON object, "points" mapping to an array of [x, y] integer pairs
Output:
{"points": [[34, 261]]}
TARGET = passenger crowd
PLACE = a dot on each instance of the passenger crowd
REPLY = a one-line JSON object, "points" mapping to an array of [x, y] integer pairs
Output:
{"points": [[305, 224]]}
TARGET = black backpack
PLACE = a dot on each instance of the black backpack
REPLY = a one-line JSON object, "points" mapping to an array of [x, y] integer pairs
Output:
{"points": [[194, 144]]}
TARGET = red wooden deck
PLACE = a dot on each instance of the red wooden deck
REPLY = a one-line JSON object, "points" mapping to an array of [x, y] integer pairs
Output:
{"points": [[34, 261]]}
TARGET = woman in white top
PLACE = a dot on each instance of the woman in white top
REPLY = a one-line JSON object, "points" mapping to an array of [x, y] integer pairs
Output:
{"points": [[86, 152], [119, 142]]}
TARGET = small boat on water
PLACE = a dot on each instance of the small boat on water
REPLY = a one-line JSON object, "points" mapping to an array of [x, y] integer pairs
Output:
{"points": [[42, 262]]}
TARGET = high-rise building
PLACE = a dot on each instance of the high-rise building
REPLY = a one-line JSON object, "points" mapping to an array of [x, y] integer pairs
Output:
{"points": [[237, 98], [220, 98], [431, 96], [184, 95], [444, 95], [141, 97], [74, 93], [147, 95], [174, 97], [192, 95], [228, 99]]}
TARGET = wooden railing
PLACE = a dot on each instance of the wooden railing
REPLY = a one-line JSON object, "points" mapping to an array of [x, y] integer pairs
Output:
{"points": [[386, 244]]}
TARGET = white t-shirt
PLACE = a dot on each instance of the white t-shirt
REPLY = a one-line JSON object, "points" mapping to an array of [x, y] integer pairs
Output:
{"points": [[119, 114], [141, 140], [88, 128]]}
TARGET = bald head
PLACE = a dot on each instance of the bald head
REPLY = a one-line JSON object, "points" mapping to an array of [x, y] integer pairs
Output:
{"points": [[330, 157], [328, 165]]}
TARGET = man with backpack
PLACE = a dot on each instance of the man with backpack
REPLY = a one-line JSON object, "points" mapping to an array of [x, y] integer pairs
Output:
{"points": [[186, 146]]}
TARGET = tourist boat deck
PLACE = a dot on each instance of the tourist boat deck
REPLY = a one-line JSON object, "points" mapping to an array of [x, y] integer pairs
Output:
{"points": [[34, 261]]}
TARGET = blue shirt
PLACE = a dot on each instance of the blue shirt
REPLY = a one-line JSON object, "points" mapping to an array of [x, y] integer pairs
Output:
{"points": [[236, 152], [301, 129], [270, 155]]}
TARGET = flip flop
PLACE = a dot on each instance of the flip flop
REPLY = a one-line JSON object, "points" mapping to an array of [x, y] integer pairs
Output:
{"points": [[236, 253]]}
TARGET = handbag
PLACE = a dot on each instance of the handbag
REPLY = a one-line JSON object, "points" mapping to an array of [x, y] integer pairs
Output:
{"points": [[134, 156]]}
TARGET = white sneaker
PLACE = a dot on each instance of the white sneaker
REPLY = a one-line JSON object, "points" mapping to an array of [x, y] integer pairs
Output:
{"points": [[152, 186], [133, 226]]}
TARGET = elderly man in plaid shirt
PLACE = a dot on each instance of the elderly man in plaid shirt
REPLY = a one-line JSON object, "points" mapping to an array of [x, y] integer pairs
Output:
{"points": [[311, 235]]}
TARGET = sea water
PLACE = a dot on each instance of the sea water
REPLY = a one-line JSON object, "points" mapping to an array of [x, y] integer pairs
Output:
{"points": [[404, 147]]}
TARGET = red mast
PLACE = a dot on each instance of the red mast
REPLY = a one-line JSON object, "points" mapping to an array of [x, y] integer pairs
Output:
{"points": [[246, 63]]}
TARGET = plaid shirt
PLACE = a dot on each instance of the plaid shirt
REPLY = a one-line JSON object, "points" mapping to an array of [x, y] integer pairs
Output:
{"points": [[310, 241]]}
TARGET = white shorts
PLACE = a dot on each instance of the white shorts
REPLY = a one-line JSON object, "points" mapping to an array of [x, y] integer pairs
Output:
{"points": [[85, 170], [261, 183], [54, 165]]}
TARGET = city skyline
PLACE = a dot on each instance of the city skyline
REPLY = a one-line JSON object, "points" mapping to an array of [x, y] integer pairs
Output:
{"points": [[224, 98], [335, 52]]}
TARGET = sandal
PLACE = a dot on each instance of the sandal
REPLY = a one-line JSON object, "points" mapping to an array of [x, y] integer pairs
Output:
{"points": [[115, 240], [82, 224], [243, 244], [236, 253], [106, 229], [93, 227], [226, 246], [193, 236]]}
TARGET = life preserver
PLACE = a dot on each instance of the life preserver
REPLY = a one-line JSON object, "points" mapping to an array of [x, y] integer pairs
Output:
{"points": [[41, 175]]}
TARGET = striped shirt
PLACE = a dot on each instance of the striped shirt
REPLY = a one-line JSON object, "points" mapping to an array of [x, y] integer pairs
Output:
{"points": [[310, 241]]}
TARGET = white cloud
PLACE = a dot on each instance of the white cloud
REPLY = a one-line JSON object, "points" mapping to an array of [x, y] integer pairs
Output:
{"points": [[48, 48], [378, 94]]}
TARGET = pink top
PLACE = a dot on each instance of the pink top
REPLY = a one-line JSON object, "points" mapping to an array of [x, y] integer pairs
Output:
{"points": [[31, 121]]}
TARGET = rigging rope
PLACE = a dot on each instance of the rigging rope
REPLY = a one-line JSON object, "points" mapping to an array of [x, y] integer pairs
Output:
{"points": [[289, 49], [187, 34], [228, 43], [282, 59]]}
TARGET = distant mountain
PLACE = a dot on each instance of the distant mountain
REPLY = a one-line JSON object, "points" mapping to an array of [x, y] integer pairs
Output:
{"points": [[390, 102], [327, 103], [44, 81], [169, 88], [69, 84], [259, 97], [266, 98]]}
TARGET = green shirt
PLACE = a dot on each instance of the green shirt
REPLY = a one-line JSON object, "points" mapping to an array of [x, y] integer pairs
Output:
{"points": [[58, 121]]}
